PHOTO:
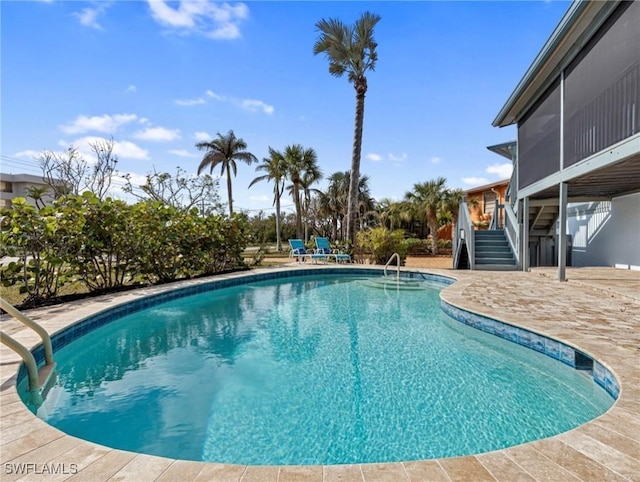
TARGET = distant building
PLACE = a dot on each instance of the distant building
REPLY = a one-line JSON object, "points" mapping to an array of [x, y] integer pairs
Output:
{"points": [[481, 201], [18, 185]]}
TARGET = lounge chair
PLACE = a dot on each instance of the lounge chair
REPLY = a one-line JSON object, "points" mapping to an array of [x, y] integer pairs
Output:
{"points": [[323, 247], [298, 250]]}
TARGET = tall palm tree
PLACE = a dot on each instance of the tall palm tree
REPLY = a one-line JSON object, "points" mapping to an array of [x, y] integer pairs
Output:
{"points": [[276, 171], [309, 178], [334, 201], [225, 151], [428, 197], [350, 49], [299, 162]]}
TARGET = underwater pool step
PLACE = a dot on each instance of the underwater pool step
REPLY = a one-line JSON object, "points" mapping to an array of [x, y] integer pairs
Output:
{"points": [[401, 283]]}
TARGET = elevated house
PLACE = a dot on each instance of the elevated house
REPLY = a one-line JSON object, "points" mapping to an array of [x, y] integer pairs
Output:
{"points": [[574, 196]]}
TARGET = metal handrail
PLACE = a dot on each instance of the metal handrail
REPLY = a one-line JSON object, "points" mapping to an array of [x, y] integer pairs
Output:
{"points": [[25, 320], [25, 354], [29, 361], [396, 256]]}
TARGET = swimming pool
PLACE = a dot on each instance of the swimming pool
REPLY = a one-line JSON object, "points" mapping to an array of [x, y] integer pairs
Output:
{"points": [[288, 372]]}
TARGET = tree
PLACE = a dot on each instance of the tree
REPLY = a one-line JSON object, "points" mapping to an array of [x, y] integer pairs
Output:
{"points": [[428, 198], [300, 162], [333, 202], [69, 173], [276, 170], [351, 50], [225, 151], [309, 178], [181, 191]]}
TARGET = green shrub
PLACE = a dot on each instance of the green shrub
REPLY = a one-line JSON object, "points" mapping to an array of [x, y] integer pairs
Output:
{"points": [[380, 243]]}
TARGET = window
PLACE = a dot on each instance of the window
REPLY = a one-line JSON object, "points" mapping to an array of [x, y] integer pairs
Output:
{"points": [[488, 202], [6, 186]]}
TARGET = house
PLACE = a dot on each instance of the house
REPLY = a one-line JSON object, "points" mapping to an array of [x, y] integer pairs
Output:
{"points": [[19, 185], [577, 111], [482, 202]]}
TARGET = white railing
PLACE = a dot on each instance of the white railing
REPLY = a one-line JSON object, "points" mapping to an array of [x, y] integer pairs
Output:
{"points": [[395, 256], [464, 235], [512, 230], [29, 361]]}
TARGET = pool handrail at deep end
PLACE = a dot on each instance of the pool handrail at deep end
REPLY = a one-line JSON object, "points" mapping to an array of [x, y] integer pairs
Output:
{"points": [[37, 379]]}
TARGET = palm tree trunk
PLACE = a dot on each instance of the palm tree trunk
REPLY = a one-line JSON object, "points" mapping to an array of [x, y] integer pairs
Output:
{"points": [[433, 227], [361, 89], [229, 192], [296, 201], [278, 237]]}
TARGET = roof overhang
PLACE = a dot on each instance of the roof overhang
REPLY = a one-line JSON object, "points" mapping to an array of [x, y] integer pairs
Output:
{"points": [[577, 26], [506, 149]]}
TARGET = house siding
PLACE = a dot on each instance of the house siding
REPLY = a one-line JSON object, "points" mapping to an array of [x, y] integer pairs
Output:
{"points": [[606, 233], [602, 87]]}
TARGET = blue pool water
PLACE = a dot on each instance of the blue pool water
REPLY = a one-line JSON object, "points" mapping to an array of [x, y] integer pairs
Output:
{"points": [[310, 370]]}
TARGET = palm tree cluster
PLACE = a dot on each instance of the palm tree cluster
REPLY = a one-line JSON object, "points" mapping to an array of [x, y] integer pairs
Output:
{"points": [[430, 204]]}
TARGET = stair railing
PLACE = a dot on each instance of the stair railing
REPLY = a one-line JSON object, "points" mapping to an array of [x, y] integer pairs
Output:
{"points": [[464, 236], [512, 230]]}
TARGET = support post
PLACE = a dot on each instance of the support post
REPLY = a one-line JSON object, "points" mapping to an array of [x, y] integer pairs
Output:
{"points": [[562, 236], [525, 234]]}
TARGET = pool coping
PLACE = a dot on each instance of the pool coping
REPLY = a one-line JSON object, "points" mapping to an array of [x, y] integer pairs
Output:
{"points": [[606, 448]]}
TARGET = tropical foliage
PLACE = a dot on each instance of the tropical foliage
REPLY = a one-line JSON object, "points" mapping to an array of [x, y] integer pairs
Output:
{"points": [[350, 49], [224, 151], [108, 244]]}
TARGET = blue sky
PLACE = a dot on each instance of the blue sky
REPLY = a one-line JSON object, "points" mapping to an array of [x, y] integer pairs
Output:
{"points": [[158, 76]]}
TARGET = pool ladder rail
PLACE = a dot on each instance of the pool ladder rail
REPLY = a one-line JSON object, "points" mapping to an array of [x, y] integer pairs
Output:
{"points": [[40, 380], [395, 256]]}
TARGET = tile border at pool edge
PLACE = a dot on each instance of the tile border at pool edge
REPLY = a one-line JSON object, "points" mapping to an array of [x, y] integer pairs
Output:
{"points": [[545, 345]]}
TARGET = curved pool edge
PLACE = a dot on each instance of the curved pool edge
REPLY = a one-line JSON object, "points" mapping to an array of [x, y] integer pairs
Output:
{"points": [[588, 447]]}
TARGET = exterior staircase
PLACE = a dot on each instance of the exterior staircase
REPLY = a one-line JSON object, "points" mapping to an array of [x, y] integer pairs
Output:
{"points": [[542, 220], [493, 252]]}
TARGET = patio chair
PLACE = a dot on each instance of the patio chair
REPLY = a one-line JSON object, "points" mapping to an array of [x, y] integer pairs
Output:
{"points": [[323, 247], [298, 250]]}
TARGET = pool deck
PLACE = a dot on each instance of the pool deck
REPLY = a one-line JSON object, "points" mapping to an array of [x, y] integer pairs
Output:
{"points": [[596, 310]]}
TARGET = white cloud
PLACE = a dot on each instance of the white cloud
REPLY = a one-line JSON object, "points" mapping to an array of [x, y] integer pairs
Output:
{"points": [[89, 16], [255, 105], [107, 124], [189, 102], [261, 199], [28, 153], [129, 150], [436, 160], [215, 96], [182, 153], [202, 136], [502, 170], [158, 134], [123, 149], [475, 181], [131, 89], [374, 157], [217, 21], [402, 157]]}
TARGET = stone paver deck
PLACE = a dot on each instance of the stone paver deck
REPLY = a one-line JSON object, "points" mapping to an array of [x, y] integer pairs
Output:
{"points": [[597, 310]]}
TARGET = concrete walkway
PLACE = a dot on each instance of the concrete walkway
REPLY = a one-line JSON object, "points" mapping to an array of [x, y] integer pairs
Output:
{"points": [[597, 310]]}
